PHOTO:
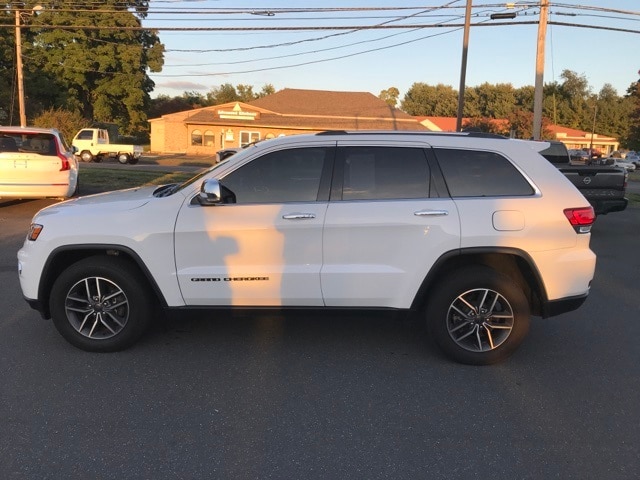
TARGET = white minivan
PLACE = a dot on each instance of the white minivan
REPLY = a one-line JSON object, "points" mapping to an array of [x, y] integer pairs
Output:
{"points": [[36, 163]]}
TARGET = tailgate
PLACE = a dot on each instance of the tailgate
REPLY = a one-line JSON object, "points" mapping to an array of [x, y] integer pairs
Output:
{"points": [[594, 178], [19, 166]]}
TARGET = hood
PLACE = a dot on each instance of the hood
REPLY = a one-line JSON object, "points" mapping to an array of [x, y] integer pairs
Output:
{"points": [[118, 201]]}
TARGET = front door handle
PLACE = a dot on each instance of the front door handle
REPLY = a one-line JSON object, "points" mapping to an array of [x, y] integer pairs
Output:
{"points": [[431, 213], [299, 216]]}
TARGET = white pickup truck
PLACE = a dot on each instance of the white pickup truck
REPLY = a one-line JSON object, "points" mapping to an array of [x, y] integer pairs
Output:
{"points": [[92, 145]]}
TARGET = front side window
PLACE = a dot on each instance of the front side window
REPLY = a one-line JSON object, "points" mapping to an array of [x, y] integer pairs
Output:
{"points": [[285, 176], [85, 135], [471, 173], [382, 173], [196, 138]]}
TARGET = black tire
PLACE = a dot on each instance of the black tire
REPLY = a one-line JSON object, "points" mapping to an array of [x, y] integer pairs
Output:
{"points": [[478, 316], [101, 304], [86, 156], [97, 158], [134, 160], [123, 158]]}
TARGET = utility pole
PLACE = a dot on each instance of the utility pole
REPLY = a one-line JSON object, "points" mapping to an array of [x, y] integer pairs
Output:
{"points": [[20, 73], [23, 115], [463, 68], [538, 94]]}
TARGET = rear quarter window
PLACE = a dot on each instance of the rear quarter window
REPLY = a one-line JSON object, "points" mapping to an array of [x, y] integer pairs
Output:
{"points": [[472, 173]]}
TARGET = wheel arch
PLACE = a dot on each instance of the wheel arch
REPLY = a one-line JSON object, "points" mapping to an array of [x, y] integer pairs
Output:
{"points": [[514, 263], [63, 257]]}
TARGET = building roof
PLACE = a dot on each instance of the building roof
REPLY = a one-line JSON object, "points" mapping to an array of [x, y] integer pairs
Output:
{"points": [[307, 110], [291, 101], [439, 124], [448, 124]]}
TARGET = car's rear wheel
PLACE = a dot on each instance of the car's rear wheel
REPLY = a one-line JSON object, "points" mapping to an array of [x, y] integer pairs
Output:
{"points": [[100, 304], [123, 158], [478, 316]]}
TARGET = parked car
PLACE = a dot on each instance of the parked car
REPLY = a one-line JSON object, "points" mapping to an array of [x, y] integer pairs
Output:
{"points": [[472, 231], [618, 162], [633, 158], [578, 157], [36, 163], [225, 153]]}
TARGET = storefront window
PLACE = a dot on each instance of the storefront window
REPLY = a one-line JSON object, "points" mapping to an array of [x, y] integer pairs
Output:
{"points": [[209, 138], [196, 138], [248, 137]]}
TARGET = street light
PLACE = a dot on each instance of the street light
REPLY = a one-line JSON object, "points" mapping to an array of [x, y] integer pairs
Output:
{"points": [[23, 115]]}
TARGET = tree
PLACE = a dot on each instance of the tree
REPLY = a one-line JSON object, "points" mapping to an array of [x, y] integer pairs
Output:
{"points": [[103, 70], [423, 99], [223, 94], [68, 123], [390, 96], [267, 89], [632, 141], [493, 101], [245, 93], [612, 113], [164, 105]]}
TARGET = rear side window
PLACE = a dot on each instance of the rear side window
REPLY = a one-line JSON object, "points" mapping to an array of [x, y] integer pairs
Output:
{"points": [[383, 173], [471, 173]]}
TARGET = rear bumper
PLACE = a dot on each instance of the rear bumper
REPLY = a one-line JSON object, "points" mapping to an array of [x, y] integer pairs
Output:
{"points": [[604, 206]]}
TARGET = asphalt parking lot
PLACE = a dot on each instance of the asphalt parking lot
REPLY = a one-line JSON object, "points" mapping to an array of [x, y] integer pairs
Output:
{"points": [[325, 396]]}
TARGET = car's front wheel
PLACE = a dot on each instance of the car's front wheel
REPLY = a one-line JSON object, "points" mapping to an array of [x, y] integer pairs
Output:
{"points": [[100, 304], [478, 316], [86, 156]]}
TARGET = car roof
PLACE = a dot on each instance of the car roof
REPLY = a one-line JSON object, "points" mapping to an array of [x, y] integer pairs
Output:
{"points": [[27, 130]]}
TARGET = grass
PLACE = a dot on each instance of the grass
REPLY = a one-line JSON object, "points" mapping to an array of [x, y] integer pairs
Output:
{"points": [[104, 179]]}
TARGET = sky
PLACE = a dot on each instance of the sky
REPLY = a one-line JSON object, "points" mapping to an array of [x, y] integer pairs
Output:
{"points": [[372, 60]]}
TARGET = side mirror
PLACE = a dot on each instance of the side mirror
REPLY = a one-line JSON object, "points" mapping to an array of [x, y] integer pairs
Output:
{"points": [[210, 192]]}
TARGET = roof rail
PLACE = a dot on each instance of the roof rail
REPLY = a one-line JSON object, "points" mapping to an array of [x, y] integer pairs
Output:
{"points": [[468, 133]]}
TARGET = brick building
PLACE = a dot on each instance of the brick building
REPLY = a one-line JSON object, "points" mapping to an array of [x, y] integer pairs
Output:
{"points": [[204, 131]]}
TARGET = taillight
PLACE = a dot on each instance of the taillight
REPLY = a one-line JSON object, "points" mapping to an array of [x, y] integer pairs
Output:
{"points": [[581, 218], [64, 163]]}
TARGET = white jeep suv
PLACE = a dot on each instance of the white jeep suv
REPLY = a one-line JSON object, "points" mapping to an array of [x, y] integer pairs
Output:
{"points": [[477, 232]]}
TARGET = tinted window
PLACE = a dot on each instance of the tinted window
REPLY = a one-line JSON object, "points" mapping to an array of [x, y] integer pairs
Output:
{"points": [[556, 153], [284, 176], [470, 173], [40, 143], [378, 173]]}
